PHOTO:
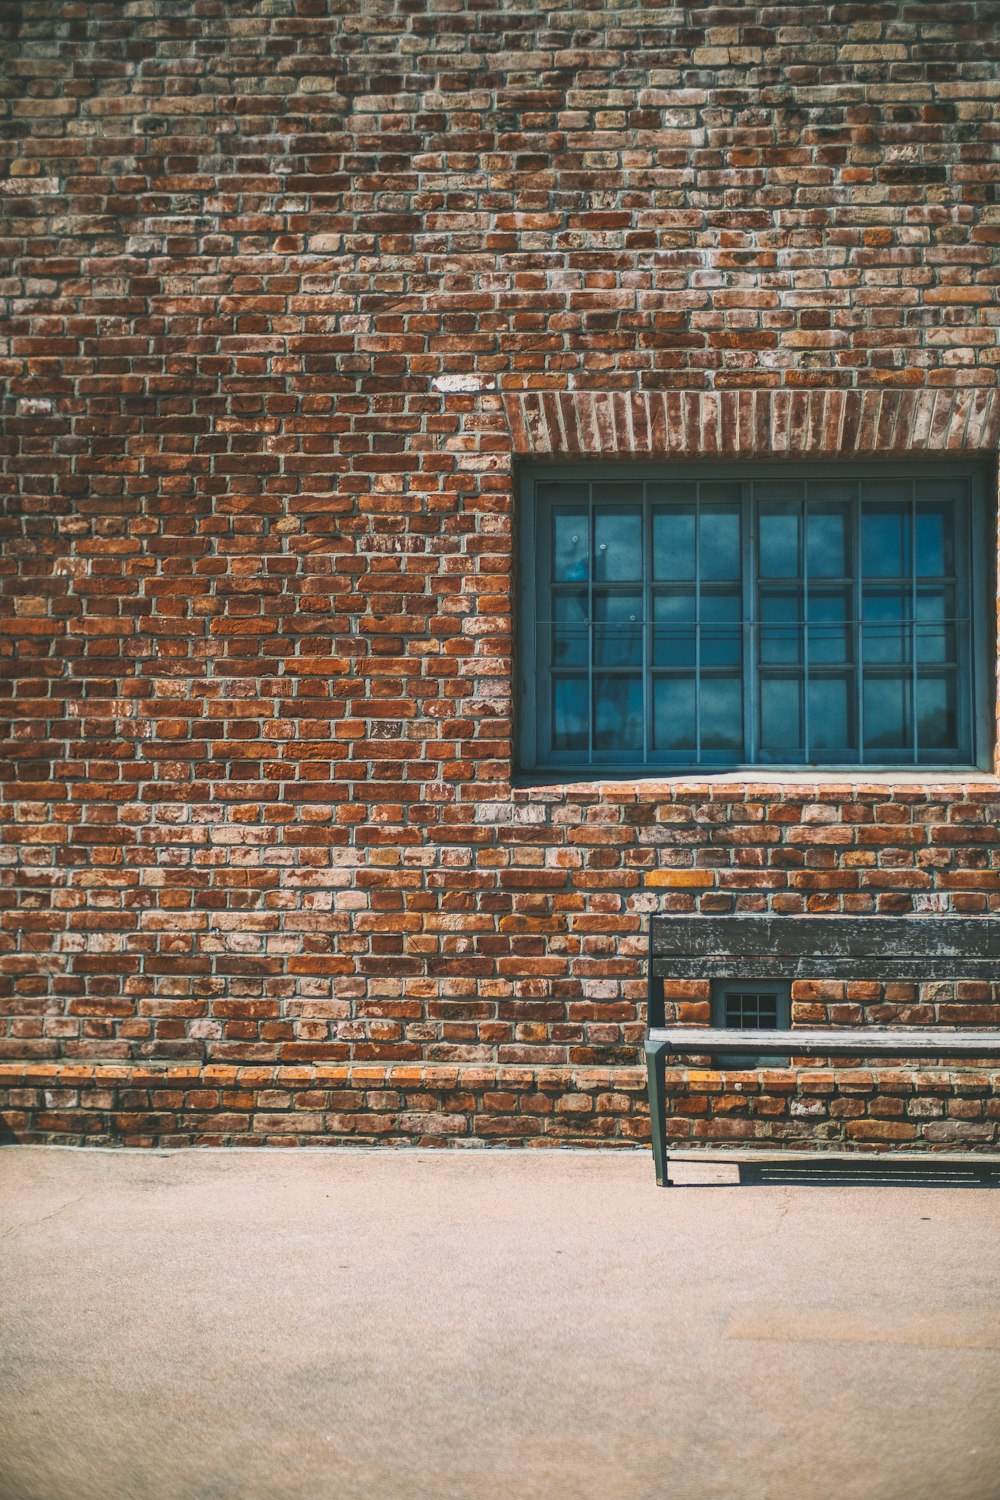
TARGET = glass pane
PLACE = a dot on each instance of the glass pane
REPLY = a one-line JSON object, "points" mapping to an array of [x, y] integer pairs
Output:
{"points": [[673, 636], [722, 714], [721, 633], [886, 628], [885, 540], [618, 713], [935, 550], [937, 713], [673, 542], [569, 713], [617, 629], [827, 532], [751, 1010], [618, 543], [830, 713], [935, 633], [674, 713], [569, 629], [570, 546], [778, 540], [780, 628], [887, 713], [719, 541], [781, 714], [829, 638]]}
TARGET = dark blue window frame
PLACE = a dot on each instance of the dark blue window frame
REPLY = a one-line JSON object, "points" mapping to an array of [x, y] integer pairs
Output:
{"points": [[691, 617]]}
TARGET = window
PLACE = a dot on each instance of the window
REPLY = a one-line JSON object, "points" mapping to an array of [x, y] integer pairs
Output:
{"points": [[695, 617], [759, 1005]]}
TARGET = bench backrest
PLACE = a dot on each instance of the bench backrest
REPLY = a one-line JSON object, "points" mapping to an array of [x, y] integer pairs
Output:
{"points": [[820, 947]]}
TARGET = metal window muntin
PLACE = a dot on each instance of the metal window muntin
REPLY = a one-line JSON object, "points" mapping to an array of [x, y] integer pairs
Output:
{"points": [[722, 990], [971, 585]]}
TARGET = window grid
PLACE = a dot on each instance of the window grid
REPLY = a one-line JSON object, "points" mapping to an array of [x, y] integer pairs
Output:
{"points": [[751, 1010], [614, 693]]}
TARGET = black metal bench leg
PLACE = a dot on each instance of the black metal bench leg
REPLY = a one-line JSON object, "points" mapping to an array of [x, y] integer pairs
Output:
{"points": [[656, 1067]]}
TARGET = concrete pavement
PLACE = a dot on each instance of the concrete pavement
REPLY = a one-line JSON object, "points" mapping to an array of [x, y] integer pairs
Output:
{"points": [[374, 1325]]}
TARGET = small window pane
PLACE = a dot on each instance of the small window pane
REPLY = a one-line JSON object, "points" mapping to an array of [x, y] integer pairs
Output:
{"points": [[617, 713], [674, 714], [827, 530], [751, 1010], [721, 631], [886, 633], [779, 541], [935, 630], [780, 628], [673, 542], [618, 543], [937, 717], [722, 714], [569, 713], [888, 721], [674, 633], [617, 629], [719, 542], [569, 629], [885, 541], [829, 639], [781, 714], [570, 546], [830, 713], [935, 552]]}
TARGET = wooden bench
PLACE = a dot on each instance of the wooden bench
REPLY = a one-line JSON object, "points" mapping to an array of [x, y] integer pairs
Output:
{"points": [[781, 949]]}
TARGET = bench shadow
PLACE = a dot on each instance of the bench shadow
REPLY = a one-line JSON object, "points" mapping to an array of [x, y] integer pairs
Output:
{"points": [[869, 1174]]}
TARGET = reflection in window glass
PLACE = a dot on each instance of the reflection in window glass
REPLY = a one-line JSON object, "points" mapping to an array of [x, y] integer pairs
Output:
{"points": [[780, 631], [674, 634], [570, 700], [885, 541], [719, 543], [722, 714], [571, 546], [617, 543], [617, 713], [888, 722], [719, 622], [779, 541], [937, 719], [673, 542], [617, 629], [570, 636], [781, 714], [830, 701], [674, 722], [827, 530]]}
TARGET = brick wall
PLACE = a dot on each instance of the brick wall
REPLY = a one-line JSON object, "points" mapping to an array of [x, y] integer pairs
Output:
{"points": [[289, 287]]}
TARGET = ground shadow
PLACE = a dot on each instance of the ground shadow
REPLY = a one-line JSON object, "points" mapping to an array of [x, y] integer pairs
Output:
{"points": [[870, 1174]]}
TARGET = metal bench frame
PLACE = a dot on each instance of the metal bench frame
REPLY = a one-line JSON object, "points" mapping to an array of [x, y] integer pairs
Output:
{"points": [[882, 949]]}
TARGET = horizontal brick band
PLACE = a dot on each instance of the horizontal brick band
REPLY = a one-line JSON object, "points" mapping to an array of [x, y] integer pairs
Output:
{"points": [[753, 423]]}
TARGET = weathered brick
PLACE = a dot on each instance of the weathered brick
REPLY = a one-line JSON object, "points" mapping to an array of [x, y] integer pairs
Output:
{"points": [[261, 430]]}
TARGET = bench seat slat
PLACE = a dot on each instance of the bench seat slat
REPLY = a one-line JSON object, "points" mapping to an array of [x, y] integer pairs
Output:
{"points": [[845, 1041]]}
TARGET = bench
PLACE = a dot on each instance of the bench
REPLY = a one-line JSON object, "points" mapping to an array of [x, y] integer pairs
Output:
{"points": [[781, 949]]}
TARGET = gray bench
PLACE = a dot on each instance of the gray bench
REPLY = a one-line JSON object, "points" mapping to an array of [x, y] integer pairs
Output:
{"points": [[914, 949]]}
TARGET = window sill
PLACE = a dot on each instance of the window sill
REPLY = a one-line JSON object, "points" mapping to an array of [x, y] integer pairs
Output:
{"points": [[830, 781]]}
